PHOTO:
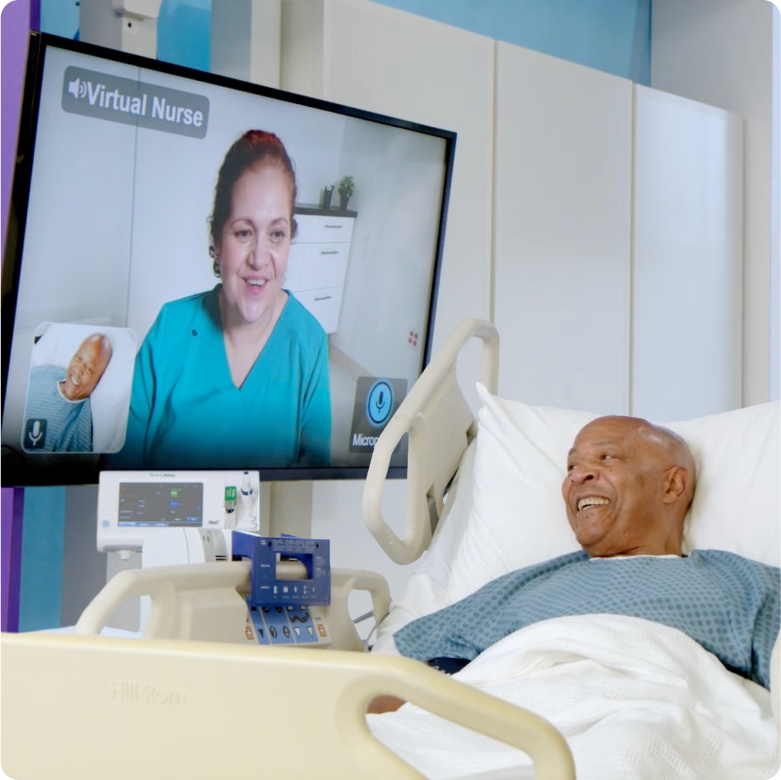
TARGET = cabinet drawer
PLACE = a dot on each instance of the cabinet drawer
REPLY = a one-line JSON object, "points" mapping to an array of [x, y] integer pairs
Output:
{"points": [[324, 304], [325, 265], [315, 229], [295, 264]]}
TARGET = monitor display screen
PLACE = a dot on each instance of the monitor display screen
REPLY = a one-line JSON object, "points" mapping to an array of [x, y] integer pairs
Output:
{"points": [[160, 504], [207, 274]]}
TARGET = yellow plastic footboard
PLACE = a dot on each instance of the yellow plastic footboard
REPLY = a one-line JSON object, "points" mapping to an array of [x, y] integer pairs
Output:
{"points": [[440, 426], [91, 708]]}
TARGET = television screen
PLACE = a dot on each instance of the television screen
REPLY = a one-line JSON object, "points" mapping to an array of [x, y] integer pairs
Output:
{"points": [[207, 274]]}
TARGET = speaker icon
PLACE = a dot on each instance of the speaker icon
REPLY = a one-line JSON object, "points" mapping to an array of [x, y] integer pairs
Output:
{"points": [[77, 88]]}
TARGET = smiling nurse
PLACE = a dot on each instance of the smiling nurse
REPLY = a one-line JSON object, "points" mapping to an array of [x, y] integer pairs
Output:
{"points": [[237, 376]]}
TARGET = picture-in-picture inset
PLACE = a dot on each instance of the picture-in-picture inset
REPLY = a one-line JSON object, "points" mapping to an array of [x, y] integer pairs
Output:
{"points": [[78, 389]]}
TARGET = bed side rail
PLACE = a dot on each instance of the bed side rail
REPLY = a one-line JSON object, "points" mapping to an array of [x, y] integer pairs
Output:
{"points": [[775, 680], [172, 589], [203, 601], [440, 426]]}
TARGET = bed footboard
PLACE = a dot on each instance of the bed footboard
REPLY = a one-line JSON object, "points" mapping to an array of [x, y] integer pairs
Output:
{"points": [[89, 708], [440, 425]]}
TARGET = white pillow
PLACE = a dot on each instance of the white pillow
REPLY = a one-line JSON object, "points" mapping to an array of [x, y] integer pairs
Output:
{"points": [[518, 516]]}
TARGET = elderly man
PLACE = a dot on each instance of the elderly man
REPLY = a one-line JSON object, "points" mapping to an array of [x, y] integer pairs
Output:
{"points": [[58, 414], [628, 487]]}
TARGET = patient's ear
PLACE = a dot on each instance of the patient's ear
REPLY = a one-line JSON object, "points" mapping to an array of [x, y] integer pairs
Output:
{"points": [[675, 484]]}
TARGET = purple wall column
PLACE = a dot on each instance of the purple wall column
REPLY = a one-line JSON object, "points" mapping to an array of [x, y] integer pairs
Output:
{"points": [[15, 25], [13, 514]]}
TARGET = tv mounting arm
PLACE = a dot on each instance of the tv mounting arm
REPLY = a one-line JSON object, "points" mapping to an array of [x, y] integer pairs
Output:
{"points": [[127, 25]]}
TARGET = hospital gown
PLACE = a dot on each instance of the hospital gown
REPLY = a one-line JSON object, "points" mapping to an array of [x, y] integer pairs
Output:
{"points": [[185, 411], [52, 422], [726, 603]]}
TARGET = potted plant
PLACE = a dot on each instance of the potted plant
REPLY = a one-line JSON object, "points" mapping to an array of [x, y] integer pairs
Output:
{"points": [[346, 189]]}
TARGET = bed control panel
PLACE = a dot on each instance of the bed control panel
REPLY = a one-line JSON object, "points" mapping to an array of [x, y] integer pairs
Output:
{"points": [[290, 589], [311, 586], [290, 625]]}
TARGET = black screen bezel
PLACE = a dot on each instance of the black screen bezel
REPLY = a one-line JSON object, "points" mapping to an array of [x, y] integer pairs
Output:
{"points": [[85, 469]]}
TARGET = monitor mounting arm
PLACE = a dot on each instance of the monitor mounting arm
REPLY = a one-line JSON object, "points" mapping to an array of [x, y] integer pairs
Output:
{"points": [[127, 25]]}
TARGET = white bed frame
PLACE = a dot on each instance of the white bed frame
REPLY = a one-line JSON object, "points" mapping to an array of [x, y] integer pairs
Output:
{"points": [[440, 425], [90, 707], [87, 707]]}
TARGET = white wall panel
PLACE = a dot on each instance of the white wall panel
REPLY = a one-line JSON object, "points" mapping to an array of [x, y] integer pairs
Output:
{"points": [[720, 52], [562, 232], [687, 258], [379, 59]]}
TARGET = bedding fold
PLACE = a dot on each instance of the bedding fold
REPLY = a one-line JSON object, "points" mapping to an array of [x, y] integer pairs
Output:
{"points": [[634, 699]]}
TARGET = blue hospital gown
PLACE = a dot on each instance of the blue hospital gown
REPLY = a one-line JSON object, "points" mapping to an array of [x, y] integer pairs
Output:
{"points": [[68, 424], [726, 603], [185, 411]]}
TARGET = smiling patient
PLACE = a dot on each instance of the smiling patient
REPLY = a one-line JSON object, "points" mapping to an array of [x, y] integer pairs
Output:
{"points": [[628, 487], [58, 412]]}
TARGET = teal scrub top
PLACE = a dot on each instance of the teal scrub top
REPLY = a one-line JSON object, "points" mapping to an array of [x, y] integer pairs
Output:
{"points": [[185, 411]]}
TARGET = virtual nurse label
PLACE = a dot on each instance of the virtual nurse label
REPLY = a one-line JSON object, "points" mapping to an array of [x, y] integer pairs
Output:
{"points": [[117, 99]]}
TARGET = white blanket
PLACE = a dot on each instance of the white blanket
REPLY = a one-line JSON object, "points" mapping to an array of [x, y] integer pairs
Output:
{"points": [[633, 698]]}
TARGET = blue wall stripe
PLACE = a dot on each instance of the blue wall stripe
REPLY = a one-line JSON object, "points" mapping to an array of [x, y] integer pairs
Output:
{"points": [[610, 35], [40, 591]]}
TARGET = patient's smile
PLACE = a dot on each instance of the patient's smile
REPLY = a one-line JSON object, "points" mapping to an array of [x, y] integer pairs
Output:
{"points": [[589, 501]]}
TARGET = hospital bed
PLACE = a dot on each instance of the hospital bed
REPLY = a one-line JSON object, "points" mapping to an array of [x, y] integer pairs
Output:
{"points": [[120, 708]]}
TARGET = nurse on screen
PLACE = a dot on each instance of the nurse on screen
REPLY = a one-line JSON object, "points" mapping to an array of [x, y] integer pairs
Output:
{"points": [[236, 376]]}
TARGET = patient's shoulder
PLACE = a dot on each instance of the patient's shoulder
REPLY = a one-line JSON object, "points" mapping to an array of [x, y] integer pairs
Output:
{"points": [[738, 564]]}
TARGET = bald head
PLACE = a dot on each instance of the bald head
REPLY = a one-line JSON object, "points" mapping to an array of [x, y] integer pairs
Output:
{"points": [[629, 485], [86, 367], [664, 444]]}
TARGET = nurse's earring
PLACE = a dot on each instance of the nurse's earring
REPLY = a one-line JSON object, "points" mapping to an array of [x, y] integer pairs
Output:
{"points": [[215, 261]]}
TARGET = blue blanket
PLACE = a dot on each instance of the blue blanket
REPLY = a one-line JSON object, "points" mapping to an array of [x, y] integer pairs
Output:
{"points": [[726, 603]]}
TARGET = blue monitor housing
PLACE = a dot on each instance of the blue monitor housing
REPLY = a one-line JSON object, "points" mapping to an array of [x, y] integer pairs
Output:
{"points": [[206, 274]]}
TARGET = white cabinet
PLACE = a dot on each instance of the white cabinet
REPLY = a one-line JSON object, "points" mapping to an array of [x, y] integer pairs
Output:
{"points": [[317, 265]]}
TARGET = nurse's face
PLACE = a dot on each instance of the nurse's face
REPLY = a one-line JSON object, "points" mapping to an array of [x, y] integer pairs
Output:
{"points": [[255, 243]]}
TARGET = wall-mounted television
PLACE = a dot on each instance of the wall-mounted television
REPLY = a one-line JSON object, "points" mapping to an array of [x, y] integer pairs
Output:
{"points": [[202, 273]]}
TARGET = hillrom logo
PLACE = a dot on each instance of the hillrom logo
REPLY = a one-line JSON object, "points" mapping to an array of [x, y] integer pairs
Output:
{"points": [[117, 99], [145, 693]]}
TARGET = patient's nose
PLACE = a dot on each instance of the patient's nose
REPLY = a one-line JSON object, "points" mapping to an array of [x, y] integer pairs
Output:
{"points": [[581, 474]]}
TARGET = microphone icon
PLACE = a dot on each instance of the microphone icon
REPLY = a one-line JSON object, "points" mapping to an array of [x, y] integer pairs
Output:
{"points": [[379, 403], [35, 434]]}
